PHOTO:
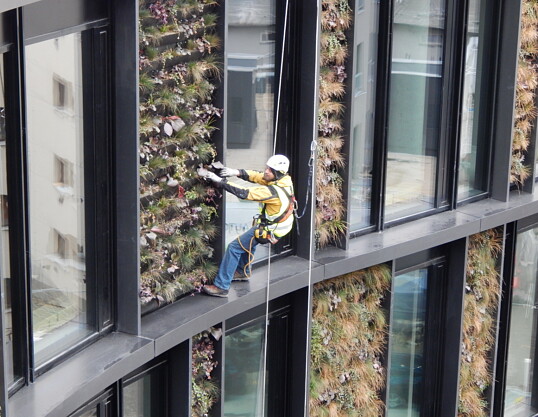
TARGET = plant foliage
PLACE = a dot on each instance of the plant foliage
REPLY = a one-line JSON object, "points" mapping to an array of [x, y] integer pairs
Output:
{"points": [[349, 329], [479, 318], [178, 73], [205, 391], [527, 81], [335, 19]]}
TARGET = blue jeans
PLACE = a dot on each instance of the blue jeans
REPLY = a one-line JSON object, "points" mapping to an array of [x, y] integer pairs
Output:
{"points": [[235, 258]]}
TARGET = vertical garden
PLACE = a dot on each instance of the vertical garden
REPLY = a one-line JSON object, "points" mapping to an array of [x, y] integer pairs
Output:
{"points": [[179, 72], [336, 18], [349, 336], [481, 301]]}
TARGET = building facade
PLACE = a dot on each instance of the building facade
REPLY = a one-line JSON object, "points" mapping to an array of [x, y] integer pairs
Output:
{"points": [[408, 285]]}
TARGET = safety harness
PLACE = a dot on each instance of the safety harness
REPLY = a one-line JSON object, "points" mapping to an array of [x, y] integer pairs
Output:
{"points": [[265, 227]]}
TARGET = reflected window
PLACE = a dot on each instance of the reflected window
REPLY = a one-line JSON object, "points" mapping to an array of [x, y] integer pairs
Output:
{"points": [[472, 174], [5, 268], [407, 334], [250, 78], [244, 368], [244, 371], [102, 406], [521, 395], [414, 107], [145, 395], [61, 316], [362, 112]]}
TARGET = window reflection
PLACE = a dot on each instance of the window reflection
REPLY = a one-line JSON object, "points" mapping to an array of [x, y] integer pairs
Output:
{"points": [[244, 371], [146, 395], [414, 107], [56, 195], [405, 382], [471, 175], [362, 112], [521, 396], [250, 72], [5, 270]]}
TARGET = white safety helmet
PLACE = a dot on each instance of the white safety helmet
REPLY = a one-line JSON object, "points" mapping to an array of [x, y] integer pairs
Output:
{"points": [[279, 163]]}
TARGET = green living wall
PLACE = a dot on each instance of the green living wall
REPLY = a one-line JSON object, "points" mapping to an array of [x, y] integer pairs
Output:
{"points": [[179, 71], [481, 302], [349, 335]]}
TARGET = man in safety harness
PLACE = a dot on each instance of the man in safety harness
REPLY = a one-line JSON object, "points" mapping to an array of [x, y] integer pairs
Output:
{"points": [[274, 191]]}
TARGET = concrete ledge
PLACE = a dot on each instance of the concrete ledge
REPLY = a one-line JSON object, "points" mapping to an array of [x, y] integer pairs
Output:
{"points": [[82, 377]]}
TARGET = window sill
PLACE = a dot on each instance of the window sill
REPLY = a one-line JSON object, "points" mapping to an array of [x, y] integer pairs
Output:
{"points": [[60, 391]]}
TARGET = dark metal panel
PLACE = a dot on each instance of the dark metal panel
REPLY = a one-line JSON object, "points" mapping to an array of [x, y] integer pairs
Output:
{"points": [[15, 115], [49, 16], [446, 184], [179, 389], [64, 388], [3, 351], [125, 139], [220, 357], [8, 27], [494, 356], [308, 17], [504, 103], [384, 66], [530, 184], [503, 326], [300, 353], [453, 322]]}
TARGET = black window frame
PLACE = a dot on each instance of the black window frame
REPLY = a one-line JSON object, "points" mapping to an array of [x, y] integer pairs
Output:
{"points": [[93, 24], [505, 311], [437, 265], [278, 360], [285, 134], [445, 196]]}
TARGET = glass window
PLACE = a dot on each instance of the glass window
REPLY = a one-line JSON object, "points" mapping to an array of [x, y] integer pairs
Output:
{"points": [[407, 341], [362, 112], [244, 349], [414, 107], [59, 302], [5, 270], [145, 396], [244, 371], [521, 396], [472, 174], [250, 77]]}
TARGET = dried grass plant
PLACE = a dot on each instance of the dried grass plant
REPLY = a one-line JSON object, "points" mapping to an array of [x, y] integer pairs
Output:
{"points": [[336, 17], [479, 322], [179, 70], [349, 331], [527, 81]]}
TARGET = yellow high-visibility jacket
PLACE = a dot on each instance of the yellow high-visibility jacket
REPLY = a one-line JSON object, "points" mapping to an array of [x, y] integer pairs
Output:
{"points": [[270, 194]]}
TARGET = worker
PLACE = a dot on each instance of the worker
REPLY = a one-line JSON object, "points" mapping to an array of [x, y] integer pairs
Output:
{"points": [[274, 191]]}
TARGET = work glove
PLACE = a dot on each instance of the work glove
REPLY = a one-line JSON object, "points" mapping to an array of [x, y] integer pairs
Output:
{"points": [[212, 176], [229, 172]]}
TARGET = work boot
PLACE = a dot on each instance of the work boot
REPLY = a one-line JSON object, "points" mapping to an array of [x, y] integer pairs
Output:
{"points": [[239, 276], [214, 291]]}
